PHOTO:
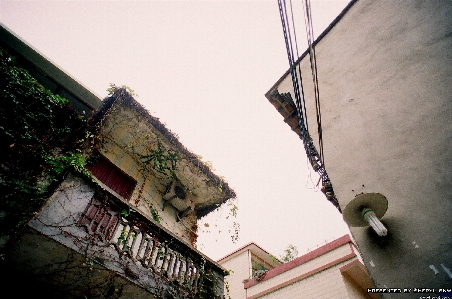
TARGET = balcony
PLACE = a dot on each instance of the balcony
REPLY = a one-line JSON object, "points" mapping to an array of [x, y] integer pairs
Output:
{"points": [[88, 243]]}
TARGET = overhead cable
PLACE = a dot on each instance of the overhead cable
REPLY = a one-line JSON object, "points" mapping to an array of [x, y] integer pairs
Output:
{"points": [[290, 55], [313, 62], [314, 156]]}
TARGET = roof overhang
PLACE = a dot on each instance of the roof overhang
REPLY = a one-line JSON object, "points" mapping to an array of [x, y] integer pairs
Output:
{"points": [[137, 132], [256, 251]]}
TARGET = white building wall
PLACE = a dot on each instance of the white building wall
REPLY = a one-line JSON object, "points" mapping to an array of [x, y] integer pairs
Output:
{"points": [[240, 270], [331, 271], [311, 281], [325, 284]]}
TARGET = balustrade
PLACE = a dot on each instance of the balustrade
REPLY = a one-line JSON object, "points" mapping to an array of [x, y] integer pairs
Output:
{"points": [[146, 244]]}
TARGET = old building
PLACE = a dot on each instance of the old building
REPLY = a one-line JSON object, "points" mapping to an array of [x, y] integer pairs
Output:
{"points": [[125, 227], [384, 73]]}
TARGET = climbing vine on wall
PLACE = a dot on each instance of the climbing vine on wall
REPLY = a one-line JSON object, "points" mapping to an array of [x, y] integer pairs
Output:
{"points": [[162, 160], [42, 135]]}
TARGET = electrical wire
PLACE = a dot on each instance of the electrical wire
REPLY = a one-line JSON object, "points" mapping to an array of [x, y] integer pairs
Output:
{"points": [[316, 158], [313, 62], [299, 71], [290, 55]]}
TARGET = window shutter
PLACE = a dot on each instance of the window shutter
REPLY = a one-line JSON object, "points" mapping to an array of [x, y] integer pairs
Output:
{"points": [[113, 177]]}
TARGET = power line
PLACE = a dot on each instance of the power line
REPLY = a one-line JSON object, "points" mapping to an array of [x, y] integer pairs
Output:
{"points": [[290, 56], [314, 156], [313, 62]]}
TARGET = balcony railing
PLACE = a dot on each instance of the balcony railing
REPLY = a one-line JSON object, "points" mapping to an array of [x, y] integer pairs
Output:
{"points": [[143, 243], [126, 241]]}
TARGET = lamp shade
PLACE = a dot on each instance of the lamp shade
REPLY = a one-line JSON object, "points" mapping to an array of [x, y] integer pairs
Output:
{"points": [[352, 212]]}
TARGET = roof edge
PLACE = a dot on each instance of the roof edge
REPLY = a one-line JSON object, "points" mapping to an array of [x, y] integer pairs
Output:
{"points": [[318, 39], [49, 68], [303, 259], [123, 97], [243, 248]]}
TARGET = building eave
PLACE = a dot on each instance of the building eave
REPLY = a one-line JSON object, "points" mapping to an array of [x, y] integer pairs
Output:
{"points": [[219, 193], [32, 58]]}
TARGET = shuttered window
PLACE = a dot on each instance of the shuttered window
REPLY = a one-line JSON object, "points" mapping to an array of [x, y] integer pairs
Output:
{"points": [[113, 177]]}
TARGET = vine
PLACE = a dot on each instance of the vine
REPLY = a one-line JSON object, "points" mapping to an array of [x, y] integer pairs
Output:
{"points": [[42, 136], [111, 90], [154, 213], [162, 160], [290, 253]]}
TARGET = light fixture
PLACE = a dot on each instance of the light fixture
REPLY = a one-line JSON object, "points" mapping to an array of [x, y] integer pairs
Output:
{"points": [[367, 209]]}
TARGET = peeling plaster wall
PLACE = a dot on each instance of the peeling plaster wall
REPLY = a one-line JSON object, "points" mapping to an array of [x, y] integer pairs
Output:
{"points": [[119, 132], [385, 73], [62, 260]]}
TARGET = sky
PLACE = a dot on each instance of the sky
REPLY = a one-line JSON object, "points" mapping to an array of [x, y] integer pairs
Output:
{"points": [[203, 68]]}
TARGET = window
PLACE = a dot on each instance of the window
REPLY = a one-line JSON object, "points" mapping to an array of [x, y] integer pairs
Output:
{"points": [[113, 177]]}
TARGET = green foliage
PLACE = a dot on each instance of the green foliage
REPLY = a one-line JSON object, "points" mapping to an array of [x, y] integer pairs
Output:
{"points": [[111, 90], [154, 213], [209, 289], [289, 254], [63, 162], [126, 212], [123, 236], [259, 274], [235, 229], [41, 137], [162, 160], [233, 208]]}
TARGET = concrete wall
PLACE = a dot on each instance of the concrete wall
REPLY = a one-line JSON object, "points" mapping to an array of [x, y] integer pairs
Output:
{"points": [[123, 139], [240, 270], [311, 279], [330, 271], [385, 73]]}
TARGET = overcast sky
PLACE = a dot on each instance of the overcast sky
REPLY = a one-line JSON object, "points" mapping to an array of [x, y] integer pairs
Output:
{"points": [[203, 68]]}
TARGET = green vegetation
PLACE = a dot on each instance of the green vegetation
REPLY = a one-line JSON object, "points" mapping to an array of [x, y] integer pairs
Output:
{"points": [[42, 136], [290, 253]]}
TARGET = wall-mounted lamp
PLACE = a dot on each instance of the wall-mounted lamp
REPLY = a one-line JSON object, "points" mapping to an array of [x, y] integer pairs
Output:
{"points": [[367, 209]]}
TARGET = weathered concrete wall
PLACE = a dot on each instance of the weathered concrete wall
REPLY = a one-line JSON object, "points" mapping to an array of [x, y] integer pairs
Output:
{"points": [[385, 73], [125, 137], [89, 242], [148, 193]]}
